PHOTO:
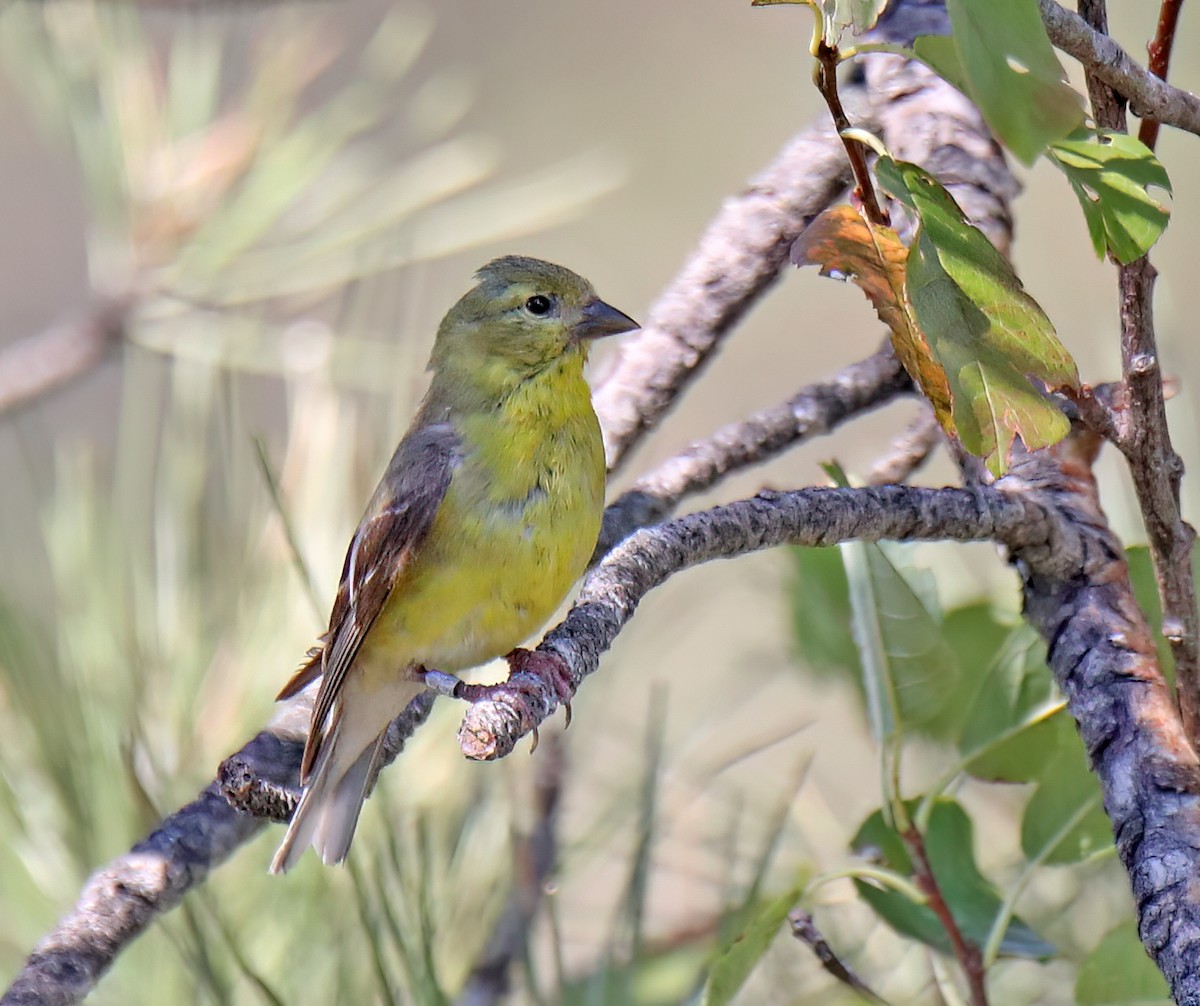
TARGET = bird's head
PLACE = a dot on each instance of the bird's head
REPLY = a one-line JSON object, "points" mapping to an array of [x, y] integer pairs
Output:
{"points": [[521, 318]]}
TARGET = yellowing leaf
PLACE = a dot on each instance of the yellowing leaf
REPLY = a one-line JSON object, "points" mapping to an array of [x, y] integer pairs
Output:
{"points": [[962, 325], [843, 244], [991, 338]]}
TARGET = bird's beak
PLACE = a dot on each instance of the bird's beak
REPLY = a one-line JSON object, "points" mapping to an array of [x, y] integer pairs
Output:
{"points": [[600, 319]]}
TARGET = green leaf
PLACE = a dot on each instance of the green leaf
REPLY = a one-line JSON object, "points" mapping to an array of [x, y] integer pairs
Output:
{"points": [[1119, 972], [821, 613], [940, 54], [981, 327], [1017, 721], [733, 964], [974, 903], [1110, 174], [975, 634], [821, 619], [1066, 790], [1013, 74], [909, 672]]}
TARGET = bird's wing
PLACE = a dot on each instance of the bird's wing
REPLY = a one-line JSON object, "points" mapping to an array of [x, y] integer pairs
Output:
{"points": [[397, 521]]}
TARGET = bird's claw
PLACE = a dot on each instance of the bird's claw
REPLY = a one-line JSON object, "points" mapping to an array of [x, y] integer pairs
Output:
{"points": [[550, 667], [544, 668]]}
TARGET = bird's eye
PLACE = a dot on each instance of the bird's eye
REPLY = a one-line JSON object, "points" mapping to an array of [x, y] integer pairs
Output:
{"points": [[538, 304]]}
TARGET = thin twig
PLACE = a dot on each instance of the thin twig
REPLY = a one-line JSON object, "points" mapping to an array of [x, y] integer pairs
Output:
{"points": [[41, 363], [1144, 439], [806, 931], [1160, 59], [814, 410], [1149, 97], [965, 952], [1157, 471], [825, 75], [909, 451]]}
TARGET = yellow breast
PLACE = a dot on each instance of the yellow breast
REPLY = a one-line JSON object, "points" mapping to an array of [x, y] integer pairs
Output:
{"points": [[518, 524]]}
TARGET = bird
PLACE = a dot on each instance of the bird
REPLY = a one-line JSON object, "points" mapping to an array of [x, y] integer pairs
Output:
{"points": [[485, 517]]}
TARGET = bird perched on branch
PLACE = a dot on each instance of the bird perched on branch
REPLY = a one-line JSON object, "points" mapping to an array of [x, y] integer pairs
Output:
{"points": [[485, 518]]}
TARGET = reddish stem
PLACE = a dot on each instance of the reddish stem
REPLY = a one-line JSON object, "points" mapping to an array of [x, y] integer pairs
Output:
{"points": [[965, 952], [826, 81], [1160, 59]]}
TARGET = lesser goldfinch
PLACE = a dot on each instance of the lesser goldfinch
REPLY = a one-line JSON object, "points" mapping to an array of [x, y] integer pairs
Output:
{"points": [[485, 518]]}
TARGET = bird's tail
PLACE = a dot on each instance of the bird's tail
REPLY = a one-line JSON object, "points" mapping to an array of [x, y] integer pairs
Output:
{"points": [[327, 813]]}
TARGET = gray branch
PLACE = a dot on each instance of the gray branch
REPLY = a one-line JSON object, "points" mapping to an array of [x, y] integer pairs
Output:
{"points": [[1149, 97], [818, 516], [813, 411]]}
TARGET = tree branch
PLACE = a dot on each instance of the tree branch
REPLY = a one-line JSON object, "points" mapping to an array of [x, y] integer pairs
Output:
{"points": [[1078, 596], [1157, 471], [804, 928], [819, 516], [1148, 96], [813, 411]]}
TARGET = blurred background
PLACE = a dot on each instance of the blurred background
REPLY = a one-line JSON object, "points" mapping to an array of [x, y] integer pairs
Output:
{"points": [[291, 196]]}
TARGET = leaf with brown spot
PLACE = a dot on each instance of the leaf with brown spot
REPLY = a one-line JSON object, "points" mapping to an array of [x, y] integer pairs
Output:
{"points": [[844, 244], [998, 348]]}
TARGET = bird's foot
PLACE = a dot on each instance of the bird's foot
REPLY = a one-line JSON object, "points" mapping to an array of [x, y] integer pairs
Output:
{"points": [[548, 667], [536, 680]]}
